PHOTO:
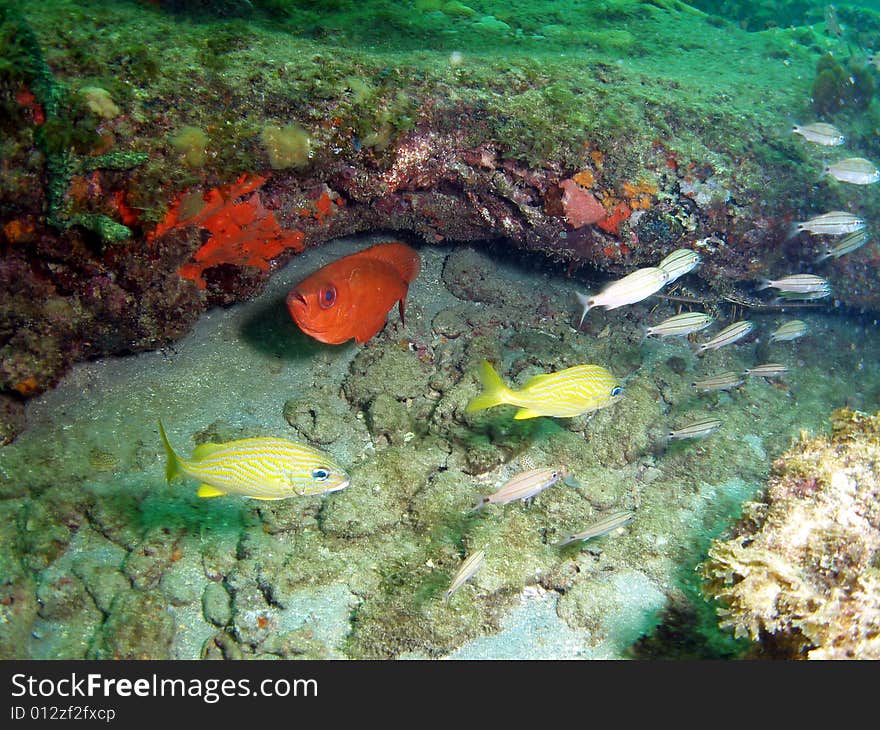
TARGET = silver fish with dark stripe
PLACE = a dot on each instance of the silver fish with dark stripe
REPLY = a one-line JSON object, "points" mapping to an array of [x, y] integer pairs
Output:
{"points": [[523, 486], [727, 336], [597, 529], [834, 223], [722, 381], [798, 283], [853, 170], [467, 570], [790, 330], [679, 263], [680, 325], [849, 243], [767, 370], [697, 429], [820, 133]]}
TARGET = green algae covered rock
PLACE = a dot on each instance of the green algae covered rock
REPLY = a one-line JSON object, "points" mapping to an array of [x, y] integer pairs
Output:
{"points": [[802, 574]]}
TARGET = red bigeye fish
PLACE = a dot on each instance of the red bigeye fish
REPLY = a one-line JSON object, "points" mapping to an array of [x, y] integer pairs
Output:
{"points": [[351, 297]]}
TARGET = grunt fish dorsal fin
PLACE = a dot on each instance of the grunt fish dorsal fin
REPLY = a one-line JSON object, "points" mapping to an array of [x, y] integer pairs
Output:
{"points": [[204, 450], [524, 413], [206, 490]]}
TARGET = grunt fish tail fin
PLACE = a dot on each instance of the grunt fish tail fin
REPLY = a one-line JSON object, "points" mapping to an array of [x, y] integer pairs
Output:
{"points": [[584, 299], [820, 259], [495, 392], [763, 284], [479, 505], [173, 468], [401, 305]]}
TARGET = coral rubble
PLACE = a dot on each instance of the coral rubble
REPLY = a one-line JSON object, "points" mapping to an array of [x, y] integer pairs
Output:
{"points": [[802, 574]]}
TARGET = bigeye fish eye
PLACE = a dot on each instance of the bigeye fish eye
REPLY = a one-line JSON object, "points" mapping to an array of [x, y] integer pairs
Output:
{"points": [[326, 297], [616, 391], [320, 475]]}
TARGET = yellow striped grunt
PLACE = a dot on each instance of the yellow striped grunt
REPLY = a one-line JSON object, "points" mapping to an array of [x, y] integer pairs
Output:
{"points": [[562, 394], [820, 133], [697, 429], [790, 330], [834, 223], [630, 289], [467, 570], [679, 263], [727, 336], [680, 325], [722, 381], [259, 468], [854, 170], [607, 524], [523, 486], [849, 243]]}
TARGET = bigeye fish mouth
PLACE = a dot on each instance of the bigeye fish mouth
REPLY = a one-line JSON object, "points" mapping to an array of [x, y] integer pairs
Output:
{"points": [[296, 297]]}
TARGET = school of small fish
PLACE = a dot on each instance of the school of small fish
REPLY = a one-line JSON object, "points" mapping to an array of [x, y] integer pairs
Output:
{"points": [[350, 299]]}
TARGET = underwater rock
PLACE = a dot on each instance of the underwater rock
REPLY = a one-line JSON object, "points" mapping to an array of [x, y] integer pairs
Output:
{"points": [[12, 418], [297, 644], [801, 575], [393, 369], [473, 276], [18, 613], [139, 627], [383, 488], [388, 419], [149, 559], [222, 646], [313, 418], [216, 604]]}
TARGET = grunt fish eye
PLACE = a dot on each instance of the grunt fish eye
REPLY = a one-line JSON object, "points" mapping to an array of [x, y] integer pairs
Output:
{"points": [[327, 297], [616, 391], [320, 474]]}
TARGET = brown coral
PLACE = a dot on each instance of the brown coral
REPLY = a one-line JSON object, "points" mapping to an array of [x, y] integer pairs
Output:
{"points": [[803, 574]]}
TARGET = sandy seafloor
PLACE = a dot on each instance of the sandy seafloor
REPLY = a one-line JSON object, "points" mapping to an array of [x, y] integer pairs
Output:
{"points": [[106, 560]]}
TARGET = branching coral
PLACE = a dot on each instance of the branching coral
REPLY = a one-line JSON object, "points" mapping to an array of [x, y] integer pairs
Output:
{"points": [[803, 572]]}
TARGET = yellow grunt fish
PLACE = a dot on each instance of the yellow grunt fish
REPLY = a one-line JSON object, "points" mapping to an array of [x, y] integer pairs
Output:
{"points": [[563, 394], [259, 468]]}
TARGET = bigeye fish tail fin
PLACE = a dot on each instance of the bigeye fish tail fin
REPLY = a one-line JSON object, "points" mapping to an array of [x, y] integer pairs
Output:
{"points": [[584, 299], [495, 392], [173, 467], [206, 490]]}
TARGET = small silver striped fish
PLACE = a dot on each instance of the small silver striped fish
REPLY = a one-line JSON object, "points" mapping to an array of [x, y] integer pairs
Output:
{"points": [[259, 468], [727, 336], [697, 429], [607, 524], [834, 223], [853, 170], [680, 325], [786, 296], [790, 330], [722, 381], [820, 133], [679, 263], [767, 370], [630, 289], [849, 243], [467, 570], [799, 283], [524, 485]]}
